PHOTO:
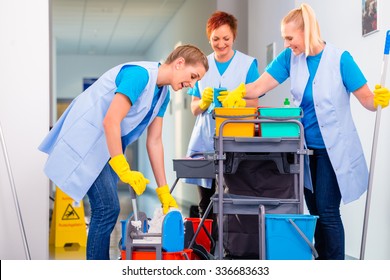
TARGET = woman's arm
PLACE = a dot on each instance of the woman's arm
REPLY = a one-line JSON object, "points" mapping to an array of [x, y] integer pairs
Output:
{"points": [[365, 97], [117, 111], [195, 106], [155, 150], [261, 86]]}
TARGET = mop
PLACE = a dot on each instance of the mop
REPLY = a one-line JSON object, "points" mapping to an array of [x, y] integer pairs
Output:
{"points": [[164, 232], [374, 146], [15, 196], [155, 224]]}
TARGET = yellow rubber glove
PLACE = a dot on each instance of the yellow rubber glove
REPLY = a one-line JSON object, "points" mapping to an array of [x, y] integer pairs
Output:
{"points": [[381, 96], [222, 95], [166, 198], [235, 97], [134, 178], [207, 98]]}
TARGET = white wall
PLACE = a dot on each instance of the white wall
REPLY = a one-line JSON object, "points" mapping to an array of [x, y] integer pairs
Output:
{"points": [[24, 116], [340, 23], [264, 29], [240, 10], [73, 68]]}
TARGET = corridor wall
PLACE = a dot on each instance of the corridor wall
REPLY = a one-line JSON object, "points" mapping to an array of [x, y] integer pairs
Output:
{"points": [[24, 116]]}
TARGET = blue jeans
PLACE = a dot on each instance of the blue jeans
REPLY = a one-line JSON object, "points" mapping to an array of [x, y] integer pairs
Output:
{"points": [[324, 202], [103, 198]]}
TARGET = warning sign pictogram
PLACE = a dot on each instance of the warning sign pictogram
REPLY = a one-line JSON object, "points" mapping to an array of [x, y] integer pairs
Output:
{"points": [[68, 221], [70, 214]]}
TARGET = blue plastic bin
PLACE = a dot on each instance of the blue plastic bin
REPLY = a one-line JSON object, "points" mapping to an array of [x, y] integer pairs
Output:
{"points": [[284, 242]]}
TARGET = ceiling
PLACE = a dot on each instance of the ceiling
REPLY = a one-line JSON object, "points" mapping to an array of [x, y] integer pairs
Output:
{"points": [[109, 27]]}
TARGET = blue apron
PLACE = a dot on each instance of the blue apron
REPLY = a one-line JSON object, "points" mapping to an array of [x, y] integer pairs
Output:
{"points": [[77, 146], [332, 106]]}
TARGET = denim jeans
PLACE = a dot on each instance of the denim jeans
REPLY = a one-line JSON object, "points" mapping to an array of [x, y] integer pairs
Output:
{"points": [[324, 202], [103, 198]]}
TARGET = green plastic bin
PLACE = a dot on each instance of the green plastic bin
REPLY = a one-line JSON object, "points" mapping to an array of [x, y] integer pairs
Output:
{"points": [[280, 129]]}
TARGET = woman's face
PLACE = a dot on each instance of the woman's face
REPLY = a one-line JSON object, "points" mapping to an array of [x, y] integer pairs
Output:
{"points": [[187, 75], [221, 40], [293, 38]]}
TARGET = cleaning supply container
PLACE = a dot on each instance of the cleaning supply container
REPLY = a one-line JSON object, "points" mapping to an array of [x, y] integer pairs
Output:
{"points": [[290, 236], [280, 129], [235, 129]]}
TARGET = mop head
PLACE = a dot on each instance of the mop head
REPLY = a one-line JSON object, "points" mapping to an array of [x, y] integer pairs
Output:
{"points": [[155, 224], [136, 224]]}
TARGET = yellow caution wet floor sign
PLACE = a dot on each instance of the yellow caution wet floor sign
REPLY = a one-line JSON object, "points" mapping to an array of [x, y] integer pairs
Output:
{"points": [[68, 221]]}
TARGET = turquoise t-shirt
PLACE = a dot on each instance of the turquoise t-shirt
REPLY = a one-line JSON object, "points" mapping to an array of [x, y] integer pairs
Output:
{"points": [[351, 75], [252, 75], [132, 80]]}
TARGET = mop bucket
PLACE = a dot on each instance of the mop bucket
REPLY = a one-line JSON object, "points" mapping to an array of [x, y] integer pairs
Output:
{"points": [[202, 238], [186, 254], [290, 236]]}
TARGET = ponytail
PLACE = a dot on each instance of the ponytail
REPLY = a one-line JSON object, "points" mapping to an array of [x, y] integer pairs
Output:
{"points": [[305, 20]]}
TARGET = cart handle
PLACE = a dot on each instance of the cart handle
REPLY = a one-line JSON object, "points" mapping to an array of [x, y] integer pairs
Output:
{"points": [[283, 118], [234, 117]]}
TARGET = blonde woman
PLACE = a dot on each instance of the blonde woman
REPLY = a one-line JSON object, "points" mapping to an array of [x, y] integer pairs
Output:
{"points": [[322, 80]]}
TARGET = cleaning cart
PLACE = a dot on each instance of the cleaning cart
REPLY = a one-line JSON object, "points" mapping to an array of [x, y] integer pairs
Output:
{"points": [[288, 212], [281, 134], [197, 165]]}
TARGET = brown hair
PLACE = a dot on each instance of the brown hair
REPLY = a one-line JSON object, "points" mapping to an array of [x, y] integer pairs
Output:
{"points": [[305, 20], [191, 54], [218, 19]]}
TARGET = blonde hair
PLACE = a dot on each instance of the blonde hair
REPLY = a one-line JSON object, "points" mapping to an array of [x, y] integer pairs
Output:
{"points": [[305, 19], [191, 54]]}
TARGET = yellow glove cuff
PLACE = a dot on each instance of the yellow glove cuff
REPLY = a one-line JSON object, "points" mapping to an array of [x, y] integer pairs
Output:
{"points": [[120, 165], [241, 103], [162, 190], [242, 89], [166, 198], [381, 96], [203, 105]]}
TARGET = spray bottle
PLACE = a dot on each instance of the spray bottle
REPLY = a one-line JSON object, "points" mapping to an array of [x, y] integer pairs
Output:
{"points": [[286, 103]]}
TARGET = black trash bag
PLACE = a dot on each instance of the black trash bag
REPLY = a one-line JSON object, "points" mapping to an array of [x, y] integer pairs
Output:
{"points": [[260, 178]]}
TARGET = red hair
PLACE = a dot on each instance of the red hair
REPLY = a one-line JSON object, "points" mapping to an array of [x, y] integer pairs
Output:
{"points": [[218, 19]]}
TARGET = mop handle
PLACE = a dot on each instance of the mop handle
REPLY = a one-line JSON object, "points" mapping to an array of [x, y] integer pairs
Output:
{"points": [[385, 58], [374, 147], [133, 197], [15, 195]]}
